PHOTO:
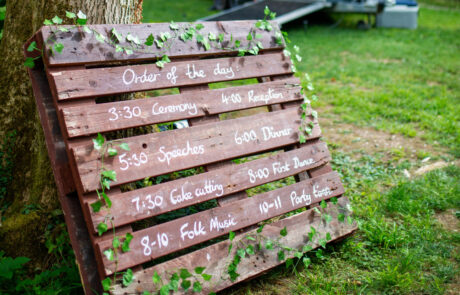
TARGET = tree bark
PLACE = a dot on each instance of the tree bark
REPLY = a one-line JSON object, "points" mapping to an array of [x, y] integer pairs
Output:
{"points": [[32, 182]]}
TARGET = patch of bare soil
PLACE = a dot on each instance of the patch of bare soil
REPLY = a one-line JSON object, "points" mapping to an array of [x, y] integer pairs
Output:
{"points": [[351, 138], [448, 220], [451, 223]]}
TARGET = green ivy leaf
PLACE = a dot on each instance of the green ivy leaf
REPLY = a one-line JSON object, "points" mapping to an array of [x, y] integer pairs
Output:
{"points": [[32, 46], [302, 138], [250, 250], [81, 18], [241, 52], [174, 282], [241, 253], [307, 248], [106, 284], [341, 217], [259, 45], [199, 26], [156, 278], [110, 174], [349, 220], [62, 29], [57, 20], [259, 230], [266, 10], [323, 204], [149, 40], [128, 277], [184, 273], [319, 253], [96, 206], [306, 261], [328, 237], [272, 15], [312, 233], [87, 30], [206, 277], [322, 242], [334, 200], [109, 254], [106, 183], [289, 262], [124, 146], [230, 248], [249, 36], [211, 36], [164, 290], [298, 254], [117, 35], [186, 284], [116, 242], [133, 39], [173, 26], [159, 43], [221, 37], [101, 228], [250, 238], [146, 293], [281, 255], [197, 287], [112, 152], [237, 43], [199, 270], [283, 232], [314, 114], [47, 22], [231, 235], [58, 47], [269, 245], [98, 142], [69, 14], [126, 242], [327, 218]]}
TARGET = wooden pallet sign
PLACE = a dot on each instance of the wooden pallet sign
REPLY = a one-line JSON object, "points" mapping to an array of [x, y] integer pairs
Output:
{"points": [[182, 219]]}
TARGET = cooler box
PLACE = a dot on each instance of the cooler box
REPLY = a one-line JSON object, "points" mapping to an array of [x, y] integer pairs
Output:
{"points": [[398, 16]]}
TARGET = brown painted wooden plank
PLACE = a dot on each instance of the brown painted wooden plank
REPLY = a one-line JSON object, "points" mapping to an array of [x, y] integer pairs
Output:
{"points": [[165, 152], [83, 48], [116, 80], [215, 258], [165, 197], [140, 112], [160, 240]]}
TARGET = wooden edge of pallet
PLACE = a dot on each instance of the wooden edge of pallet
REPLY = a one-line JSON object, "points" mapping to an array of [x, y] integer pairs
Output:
{"points": [[216, 258], [76, 227]]}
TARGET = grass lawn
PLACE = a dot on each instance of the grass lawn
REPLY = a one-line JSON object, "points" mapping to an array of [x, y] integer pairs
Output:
{"points": [[389, 105], [398, 86]]}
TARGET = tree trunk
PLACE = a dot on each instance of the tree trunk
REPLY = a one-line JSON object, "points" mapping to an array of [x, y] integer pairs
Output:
{"points": [[25, 170]]}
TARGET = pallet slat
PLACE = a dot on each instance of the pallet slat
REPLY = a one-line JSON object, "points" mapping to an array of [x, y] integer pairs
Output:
{"points": [[124, 79], [91, 51], [165, 197], [166, 238], [159, 153], [105, 117]]}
